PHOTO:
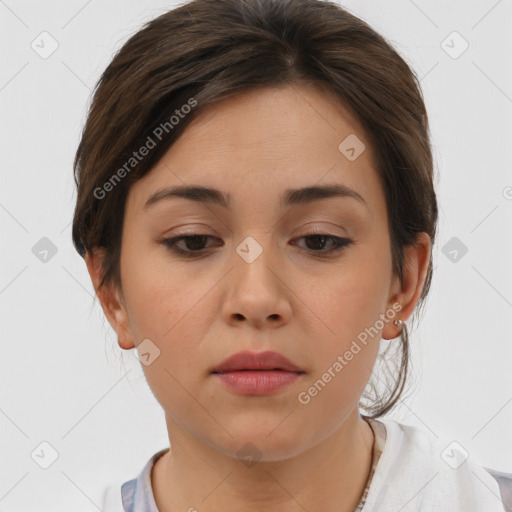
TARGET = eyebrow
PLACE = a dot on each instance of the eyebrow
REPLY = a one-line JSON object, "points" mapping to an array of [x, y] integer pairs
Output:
{"points": [[290, 197]]}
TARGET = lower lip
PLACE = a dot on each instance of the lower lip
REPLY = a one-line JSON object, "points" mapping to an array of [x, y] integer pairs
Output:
{"points": [[254, 382]]}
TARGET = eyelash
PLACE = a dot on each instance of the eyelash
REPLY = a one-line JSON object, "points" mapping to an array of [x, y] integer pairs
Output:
{"points": [[340, 243]]}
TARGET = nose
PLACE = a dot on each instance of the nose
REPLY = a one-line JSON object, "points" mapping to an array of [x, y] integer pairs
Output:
{"points": [[258, 293]]}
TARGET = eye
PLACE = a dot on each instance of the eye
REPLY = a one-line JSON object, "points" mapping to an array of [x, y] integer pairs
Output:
{"points": [[316, 243], [194, 244]]}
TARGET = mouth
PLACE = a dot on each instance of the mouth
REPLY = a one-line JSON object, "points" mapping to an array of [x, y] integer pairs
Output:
{"points": [[256, 370], [256, 373], [247, 361], [256, 382]]}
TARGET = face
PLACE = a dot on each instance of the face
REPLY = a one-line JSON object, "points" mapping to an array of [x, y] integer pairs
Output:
{"points": [[250, 277]]}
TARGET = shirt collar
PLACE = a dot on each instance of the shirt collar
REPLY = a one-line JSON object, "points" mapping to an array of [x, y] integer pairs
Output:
{"points": [[137, 494]]}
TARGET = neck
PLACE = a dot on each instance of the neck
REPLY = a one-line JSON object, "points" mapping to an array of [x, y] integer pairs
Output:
{"points": [[329, 476]]}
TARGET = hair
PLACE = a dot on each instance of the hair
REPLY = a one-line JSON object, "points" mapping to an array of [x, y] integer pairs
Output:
{"points": [[204, 51]]}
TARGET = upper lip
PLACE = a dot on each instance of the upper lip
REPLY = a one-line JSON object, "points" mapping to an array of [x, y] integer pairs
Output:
{"points": [[247, 360]]}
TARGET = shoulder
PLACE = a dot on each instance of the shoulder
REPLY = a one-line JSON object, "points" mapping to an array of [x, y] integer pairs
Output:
{"points": [[450, 478], [112, 498], [120, 497], [505, 483]]}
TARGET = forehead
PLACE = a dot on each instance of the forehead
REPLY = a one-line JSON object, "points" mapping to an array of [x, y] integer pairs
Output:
{"points": [[264, 141]]}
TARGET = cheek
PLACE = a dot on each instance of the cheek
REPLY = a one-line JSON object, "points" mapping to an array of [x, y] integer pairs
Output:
{"points": [[161, 296], [353, 295], [173, 309], [346, 351], [350, 302]]}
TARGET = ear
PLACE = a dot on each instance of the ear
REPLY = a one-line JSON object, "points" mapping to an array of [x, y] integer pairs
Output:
{"points": [[407, 292], [110, 299]]}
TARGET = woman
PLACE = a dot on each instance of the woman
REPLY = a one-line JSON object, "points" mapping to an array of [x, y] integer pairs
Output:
{"points": [[257, 213]]}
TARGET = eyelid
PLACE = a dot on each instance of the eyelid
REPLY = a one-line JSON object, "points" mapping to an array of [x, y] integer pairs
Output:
{"points": [[340, 243]]}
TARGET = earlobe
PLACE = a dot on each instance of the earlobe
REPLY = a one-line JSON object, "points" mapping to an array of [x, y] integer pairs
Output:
{"points": [[117, 308], [109, 299], [416, 262]]}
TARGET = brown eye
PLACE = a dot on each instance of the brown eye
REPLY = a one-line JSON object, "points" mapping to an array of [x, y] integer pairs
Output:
{"points": [[325, 244], [193, 245]]}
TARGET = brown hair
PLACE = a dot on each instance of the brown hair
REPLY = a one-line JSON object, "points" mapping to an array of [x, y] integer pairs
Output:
{"points": [[208, 50]]}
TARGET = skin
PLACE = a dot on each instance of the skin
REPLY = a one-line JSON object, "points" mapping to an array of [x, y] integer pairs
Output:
{"points": [[310, 308]]}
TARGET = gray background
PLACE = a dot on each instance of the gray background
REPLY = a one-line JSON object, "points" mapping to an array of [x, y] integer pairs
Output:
{"points": [[64, 380]]}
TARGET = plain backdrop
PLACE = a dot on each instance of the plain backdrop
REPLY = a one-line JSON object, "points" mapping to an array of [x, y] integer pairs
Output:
{"points": [[63, 379]]}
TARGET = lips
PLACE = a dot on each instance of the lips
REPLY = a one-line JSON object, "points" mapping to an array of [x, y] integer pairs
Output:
{"points": [[247, 360]]}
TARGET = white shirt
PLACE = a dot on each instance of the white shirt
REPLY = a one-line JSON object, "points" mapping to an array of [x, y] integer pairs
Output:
{"points": [[416, 472]]}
